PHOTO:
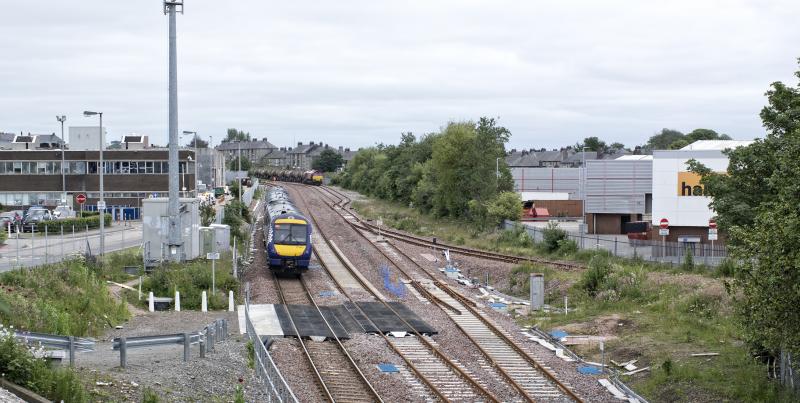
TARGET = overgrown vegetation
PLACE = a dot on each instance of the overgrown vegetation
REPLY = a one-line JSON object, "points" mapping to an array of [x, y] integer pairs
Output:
{"points": [[19, 364], [459, 172], [68, 298], [207, 214], [756, 203], [191, 279], [80, 223], [236, 215]]}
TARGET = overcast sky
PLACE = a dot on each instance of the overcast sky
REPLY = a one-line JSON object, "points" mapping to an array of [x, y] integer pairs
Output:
{"points": [[355, 73]]}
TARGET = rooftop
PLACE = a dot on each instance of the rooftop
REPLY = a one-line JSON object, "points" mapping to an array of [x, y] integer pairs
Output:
{"points": [[701, 145]]}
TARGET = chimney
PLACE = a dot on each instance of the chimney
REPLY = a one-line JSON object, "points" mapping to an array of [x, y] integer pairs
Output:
{"points": [[564, 153], [311, 143], [341, 148], [347, 150], [264, 139], [299, 143]]}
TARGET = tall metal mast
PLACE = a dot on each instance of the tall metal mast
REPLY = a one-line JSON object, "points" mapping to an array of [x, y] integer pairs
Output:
{"points": [[174, 239]]}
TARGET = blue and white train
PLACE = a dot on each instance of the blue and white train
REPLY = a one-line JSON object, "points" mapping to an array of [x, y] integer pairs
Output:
{"points": [[287, 234]]}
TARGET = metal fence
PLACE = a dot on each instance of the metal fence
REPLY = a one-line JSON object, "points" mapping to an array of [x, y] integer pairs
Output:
{"points": [[650, 250], [266, 370], [69, 344], [782, 369], [216, 332], [247, 197]]}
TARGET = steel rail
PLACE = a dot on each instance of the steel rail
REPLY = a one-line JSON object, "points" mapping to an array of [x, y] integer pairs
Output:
{"points": [[471, 307], [422, 241], [432, 297], [419, 336], [322, 384]]}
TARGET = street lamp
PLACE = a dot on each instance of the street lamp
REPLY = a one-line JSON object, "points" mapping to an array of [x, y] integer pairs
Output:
{"points": [[63, 119], [197, 160], [101, 205]]}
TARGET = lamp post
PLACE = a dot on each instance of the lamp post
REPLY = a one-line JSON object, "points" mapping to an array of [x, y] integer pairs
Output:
{"points": [[239, 174], [63, 119], [196, 161], [101, 205], [583, 187], [211, 160]]}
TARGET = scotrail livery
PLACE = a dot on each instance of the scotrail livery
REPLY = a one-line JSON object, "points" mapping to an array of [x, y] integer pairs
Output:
{"points": [[287, 234]]}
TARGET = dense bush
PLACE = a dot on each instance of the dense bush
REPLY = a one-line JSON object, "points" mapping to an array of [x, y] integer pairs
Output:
{"points": [[80, 223], [66, 298], [594, 278], [191, 279], [19, 365], [552, 238], [515, 237], [608, 281]]}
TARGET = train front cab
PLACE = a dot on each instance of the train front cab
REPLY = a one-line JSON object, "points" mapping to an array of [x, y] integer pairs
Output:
{"points": [[290, 249]]}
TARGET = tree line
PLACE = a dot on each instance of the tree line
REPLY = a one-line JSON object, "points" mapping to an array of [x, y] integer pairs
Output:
{"points": [[458, 172]]}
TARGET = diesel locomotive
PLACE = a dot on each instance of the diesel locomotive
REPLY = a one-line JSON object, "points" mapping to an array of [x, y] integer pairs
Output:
{"points": [[287, 234]]}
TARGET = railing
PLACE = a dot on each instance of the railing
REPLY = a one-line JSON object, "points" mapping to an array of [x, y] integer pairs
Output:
{"points": [[215, 332], [651, 250], [69, 344], [266, 370]]}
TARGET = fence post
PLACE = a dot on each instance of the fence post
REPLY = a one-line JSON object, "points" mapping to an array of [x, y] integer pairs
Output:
{"points": [[202, 347], [615, 246], [123, 352], [46, 258], [187, 343], [62, 242], [71, 347], [151, 303], [210, 338], [177, 301], [230, 301], [204, 303]]}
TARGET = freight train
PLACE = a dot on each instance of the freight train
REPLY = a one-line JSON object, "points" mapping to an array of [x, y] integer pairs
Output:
{"points": [[312, 177], [287, 234]]}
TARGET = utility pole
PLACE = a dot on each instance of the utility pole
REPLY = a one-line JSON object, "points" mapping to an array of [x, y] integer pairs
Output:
{"points": [[174, 239], [101, 205], [63, 119], [239, 174]]}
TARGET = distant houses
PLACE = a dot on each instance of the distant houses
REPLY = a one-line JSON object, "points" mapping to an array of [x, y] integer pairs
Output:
{"points": [[263, 153]]}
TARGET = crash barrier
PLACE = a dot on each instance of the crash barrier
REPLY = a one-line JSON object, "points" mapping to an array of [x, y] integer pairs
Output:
{"points": [[266, 370], [215, 332], [69, 344]]}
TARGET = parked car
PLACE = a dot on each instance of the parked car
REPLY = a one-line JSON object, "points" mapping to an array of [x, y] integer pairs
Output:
{"points": [[63, 212], [34, 216], [14, 217]]}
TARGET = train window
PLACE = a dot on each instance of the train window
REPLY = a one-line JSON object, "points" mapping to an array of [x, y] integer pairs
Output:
{"points": [[290, 234]]}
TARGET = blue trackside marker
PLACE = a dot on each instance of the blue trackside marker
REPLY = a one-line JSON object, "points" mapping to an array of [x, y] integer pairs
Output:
{"points": [[558, 334], [327, 293], [388, 368], [590, 370]]}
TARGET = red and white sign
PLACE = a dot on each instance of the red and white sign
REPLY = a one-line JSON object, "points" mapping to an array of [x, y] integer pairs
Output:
{"points": [[712, 223], [81, 198], [664, 223]]}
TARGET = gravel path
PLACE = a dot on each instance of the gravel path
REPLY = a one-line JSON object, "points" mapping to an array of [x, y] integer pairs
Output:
{"points": [[8, 397]]}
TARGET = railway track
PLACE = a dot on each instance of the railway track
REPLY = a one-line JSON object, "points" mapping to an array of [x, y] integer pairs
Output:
{"points": [[337, 374], [447, 379], [531, 379], [434, 243]]}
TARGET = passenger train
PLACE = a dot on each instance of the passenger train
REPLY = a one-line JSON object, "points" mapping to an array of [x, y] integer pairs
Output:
{"points": [[287, 234]]}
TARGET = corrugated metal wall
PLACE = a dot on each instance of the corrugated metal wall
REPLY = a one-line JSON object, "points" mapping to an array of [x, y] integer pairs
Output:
{"points": [[618, 187], [563, 180]]}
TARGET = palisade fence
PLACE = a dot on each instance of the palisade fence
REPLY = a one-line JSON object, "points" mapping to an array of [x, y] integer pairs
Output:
{"points": [[266, 370], [651, 250]]}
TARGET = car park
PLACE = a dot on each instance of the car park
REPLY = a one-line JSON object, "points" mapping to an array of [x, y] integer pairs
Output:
{"points": [[35, 216]]}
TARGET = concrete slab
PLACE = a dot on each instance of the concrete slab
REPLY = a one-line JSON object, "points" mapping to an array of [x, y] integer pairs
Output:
{"points": [[335, 267], [265, 320]]}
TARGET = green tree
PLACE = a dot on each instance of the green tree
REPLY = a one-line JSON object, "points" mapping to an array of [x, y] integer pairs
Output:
{"points": [[592, 144], [200, 143], [236, 135], [207, 214], [756, 204], [505, 206], [662, 140], [233, 164], [328, 161]]}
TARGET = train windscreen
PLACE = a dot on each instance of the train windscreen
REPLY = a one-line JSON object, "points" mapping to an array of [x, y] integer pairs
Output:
{"points": [[290, 234]]}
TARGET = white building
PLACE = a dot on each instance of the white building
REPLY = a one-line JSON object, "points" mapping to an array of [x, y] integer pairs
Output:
{"points": [[678, 194], [85, 138]]}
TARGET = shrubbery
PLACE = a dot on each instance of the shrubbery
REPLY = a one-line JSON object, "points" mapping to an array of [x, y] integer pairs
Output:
{"points": [[67, 298], [19, 365], [191, 279], [608, 281], [80, 223]]}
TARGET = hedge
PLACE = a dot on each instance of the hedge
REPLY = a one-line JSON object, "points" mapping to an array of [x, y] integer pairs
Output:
{"points": [[79, 223]]}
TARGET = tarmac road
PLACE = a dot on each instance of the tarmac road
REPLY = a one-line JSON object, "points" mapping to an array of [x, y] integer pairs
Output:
{"points": [[32, 250]]}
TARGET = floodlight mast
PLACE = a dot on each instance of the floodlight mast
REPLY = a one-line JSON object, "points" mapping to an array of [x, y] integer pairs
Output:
{"points": [[174, 238]]}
